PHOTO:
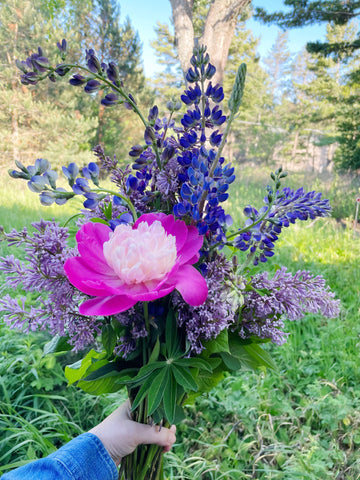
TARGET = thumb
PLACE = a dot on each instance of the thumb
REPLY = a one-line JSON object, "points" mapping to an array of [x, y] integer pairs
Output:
{"points": [[163, 437]]}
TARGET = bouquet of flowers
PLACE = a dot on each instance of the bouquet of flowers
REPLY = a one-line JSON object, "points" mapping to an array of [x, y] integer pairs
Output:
{"points": [[161, 290]]}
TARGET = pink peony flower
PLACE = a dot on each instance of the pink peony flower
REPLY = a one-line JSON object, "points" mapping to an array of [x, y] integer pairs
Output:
{"points": [[139, 263]]}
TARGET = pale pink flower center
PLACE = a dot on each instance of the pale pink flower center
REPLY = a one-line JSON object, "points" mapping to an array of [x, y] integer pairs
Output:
{"points": [[141, 255]]}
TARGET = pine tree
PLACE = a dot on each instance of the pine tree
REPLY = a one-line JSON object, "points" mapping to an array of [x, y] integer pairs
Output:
{"points": [[309, 12], [278, 65]]}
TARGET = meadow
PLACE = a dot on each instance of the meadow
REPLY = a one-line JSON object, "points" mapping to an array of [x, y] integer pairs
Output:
{"points": [[298, 422]]}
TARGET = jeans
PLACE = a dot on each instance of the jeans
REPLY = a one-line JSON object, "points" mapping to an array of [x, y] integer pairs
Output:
{"points": [[84, 458]]}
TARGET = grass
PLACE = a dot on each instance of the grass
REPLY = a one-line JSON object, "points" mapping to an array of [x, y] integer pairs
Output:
{"points": [[300, 422]]}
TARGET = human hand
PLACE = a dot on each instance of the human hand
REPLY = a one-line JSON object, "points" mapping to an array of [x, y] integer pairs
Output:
{"points": [[120, 435]]}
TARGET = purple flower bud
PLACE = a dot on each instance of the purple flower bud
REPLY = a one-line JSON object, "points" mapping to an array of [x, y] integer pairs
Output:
{"points": [[77, 80], [62, 46], [21, 65], [37, 183], [149, 135], [81, 186], [132, 182], [210, 71], [47, 198], [112, 72], [41, 165], [17, 174], [71, 172], [92, 86], [30, 78], [62, 70], [136, 150], [93, 64], [153, 113], [51, 177], [40, 63], [110, 99]]}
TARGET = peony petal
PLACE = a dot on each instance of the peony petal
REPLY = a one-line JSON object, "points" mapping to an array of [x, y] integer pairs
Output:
{"points": [[191, 284], [106, 305], [149, 218], [91, 238], [191, 247], [83, 277], [178, 229]]}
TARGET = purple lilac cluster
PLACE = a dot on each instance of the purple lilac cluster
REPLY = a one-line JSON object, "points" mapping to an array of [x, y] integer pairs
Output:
{"points": [[263, 227], [134, 323], [269, 301], [208, 320], [43, 271]]}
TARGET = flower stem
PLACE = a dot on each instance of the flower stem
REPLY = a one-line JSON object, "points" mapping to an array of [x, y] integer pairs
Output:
{"points": [[128, 202]]}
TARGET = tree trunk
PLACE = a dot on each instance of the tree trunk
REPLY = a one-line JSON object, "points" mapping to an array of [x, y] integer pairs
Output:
{"points": [[218, 32], [184, 31], [295, 145], [217, 35]]}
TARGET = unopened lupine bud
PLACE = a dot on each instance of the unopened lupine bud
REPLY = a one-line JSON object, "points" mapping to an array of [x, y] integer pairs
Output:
{"points": [[238, 89], [62, 46], [62, 70], [51, 176], [37, 183], [110, 99], [153, 113], [94, 64], [17, 174], [77, 80], [92, 86], [113, 72], [149, 136]]}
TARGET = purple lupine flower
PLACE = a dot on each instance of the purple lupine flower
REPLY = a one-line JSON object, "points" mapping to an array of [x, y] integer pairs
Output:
{"points": [[289, 206], [284, 296]]}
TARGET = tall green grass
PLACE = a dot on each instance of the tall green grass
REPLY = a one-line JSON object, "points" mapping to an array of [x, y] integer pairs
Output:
{"points": [[300, 422]]}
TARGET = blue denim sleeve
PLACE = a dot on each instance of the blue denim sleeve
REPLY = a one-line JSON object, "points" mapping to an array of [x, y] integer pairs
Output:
{"points": [[84, 458]]}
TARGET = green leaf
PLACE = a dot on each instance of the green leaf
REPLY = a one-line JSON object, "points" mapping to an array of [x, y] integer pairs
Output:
{"points": [[194, 362], [218, 344], [184, 378], [145, 371], [100, 386], [169, 399], [143, 391], [108, 338], [158, 386], [231, 362], [56, 345], [77, 371], [261, 356], [155, 353], [111, 370], [250, 355], [99, 220]]}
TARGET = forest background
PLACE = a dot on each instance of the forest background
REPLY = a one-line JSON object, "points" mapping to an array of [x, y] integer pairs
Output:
{"points": [[299, 422]]}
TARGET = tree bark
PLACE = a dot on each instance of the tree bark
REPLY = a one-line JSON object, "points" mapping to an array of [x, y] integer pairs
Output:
{"points": [[184, 30], [217, 35], [218, 32]]}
